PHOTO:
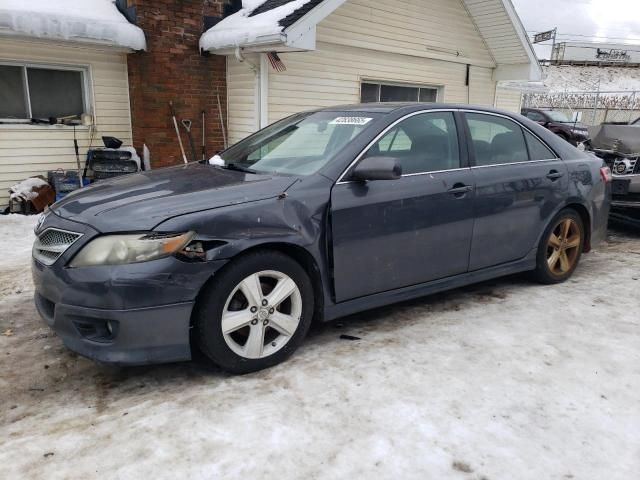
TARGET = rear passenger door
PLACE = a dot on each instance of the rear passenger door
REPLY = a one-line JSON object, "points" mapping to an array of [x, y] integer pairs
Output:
{"points": [[520, 184]]}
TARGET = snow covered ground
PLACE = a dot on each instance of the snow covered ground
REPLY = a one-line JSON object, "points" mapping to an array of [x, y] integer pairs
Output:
{"points": [[504, 380]]}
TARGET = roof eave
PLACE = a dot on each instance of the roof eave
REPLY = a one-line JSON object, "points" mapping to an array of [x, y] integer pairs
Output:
{"points": [[78, 41], [534, 72], [266, 43]]}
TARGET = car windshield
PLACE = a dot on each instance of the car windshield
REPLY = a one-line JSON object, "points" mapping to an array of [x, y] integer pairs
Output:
{"points": [[559, 117], [298, 145]]}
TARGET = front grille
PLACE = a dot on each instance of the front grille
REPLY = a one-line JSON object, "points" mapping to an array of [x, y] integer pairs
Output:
{"points": [[52, 243], [626, 166]]}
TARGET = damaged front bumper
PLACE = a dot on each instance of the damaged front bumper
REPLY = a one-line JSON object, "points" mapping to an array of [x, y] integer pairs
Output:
{"points": [[126, 314]]}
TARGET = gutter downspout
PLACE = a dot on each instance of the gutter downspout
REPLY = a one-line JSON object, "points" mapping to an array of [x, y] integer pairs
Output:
{"points": [[261, 91]]}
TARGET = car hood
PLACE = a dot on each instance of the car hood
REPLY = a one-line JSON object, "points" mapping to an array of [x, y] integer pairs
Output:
{"points": [[142, 201]]}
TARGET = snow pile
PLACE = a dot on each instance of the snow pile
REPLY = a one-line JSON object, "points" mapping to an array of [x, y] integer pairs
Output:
{"points": [[571, 78], [239, 28], [16, 239], [79, 20], [25, 188]]}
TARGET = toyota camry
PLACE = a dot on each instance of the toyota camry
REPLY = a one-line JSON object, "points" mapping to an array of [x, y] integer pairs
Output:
{"points": [[320, 215]]}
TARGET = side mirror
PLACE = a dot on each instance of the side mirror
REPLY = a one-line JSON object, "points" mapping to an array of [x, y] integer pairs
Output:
{"points": [[377, 168]]}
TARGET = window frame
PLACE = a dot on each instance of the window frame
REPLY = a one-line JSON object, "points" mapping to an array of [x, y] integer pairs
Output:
{"points": [[524, 128], [85, 72], [467, 158], [438, 88]]}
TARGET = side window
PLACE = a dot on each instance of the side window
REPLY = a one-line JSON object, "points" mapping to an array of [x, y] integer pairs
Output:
{"points": [[395, 141], [423, 143], [496, 140], [535, 116], [537, 150]]}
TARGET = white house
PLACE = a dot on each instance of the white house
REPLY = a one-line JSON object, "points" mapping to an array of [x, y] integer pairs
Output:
{"points": [[350, 51], [58, 59]]}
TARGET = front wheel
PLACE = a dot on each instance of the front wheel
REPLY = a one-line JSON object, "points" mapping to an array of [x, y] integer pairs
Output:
{"points": [[560, 248], [255, 313]]}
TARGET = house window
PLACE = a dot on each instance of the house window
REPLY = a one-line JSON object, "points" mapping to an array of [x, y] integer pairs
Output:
{"points": [[371, 92], [36, 91]]}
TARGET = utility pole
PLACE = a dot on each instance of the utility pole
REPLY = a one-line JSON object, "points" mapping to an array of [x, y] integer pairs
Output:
{"points": [[553, 45]]}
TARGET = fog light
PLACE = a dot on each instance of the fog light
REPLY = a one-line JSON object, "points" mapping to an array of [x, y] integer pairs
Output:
{"points": [[109, 328]]}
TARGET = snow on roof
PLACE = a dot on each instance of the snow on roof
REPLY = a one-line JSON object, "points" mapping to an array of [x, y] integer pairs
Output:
{"points": [[87, 21], [257, 18]]}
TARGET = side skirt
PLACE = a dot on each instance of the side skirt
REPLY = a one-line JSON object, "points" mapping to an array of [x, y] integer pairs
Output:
{"points": [[421, 290]]}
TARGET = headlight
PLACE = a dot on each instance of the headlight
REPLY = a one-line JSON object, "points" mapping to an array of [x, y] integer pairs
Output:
{"points": [[135, 248]]}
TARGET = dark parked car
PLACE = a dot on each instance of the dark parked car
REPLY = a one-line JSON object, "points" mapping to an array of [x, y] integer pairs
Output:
{"points": [[321, 215], [558, 123]]}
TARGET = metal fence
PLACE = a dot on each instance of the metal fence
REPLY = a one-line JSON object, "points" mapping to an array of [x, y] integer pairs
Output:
{"points": [[591, 108]]}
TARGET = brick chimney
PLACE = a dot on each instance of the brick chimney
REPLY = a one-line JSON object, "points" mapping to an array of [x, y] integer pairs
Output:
{"points": [[172, 69]]}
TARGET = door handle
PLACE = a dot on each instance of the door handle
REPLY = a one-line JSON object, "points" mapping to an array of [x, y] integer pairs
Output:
{"points": [[460, 190], [554, 175]]}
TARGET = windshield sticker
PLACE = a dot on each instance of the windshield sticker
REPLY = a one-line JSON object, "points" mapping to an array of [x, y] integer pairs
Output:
{"points": [[350, 121]]}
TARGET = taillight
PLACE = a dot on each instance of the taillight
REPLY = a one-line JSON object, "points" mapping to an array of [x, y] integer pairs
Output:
{"points": [[605, 174]]}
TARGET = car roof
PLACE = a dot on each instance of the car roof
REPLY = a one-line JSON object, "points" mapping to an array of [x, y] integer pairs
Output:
{"points": [[387, 108]]}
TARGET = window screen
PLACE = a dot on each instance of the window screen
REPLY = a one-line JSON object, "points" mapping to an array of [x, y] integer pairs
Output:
{"points": [[389, 93], [55, 93], [369, 93], [49, 92], [12, 96], [377, 92], [537, 150], [496, 140], [423, 143]]}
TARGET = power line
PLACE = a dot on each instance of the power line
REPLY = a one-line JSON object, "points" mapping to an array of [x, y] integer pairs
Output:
{"points": [[585, 36]]}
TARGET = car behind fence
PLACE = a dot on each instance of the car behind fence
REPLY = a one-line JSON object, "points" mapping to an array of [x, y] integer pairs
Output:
{"points": [[590, 108]]}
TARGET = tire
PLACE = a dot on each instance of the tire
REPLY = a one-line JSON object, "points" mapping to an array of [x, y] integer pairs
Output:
{"points": [[560, 248], [247, 319]]}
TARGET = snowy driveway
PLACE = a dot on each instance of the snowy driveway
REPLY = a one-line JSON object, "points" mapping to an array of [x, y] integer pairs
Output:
{"points": [[505, 380]]}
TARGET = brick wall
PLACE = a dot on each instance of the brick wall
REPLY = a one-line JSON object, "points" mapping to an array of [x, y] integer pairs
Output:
{"points": [[172, 69]]}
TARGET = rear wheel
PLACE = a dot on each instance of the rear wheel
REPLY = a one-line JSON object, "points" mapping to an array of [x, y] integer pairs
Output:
{"points": [[560, 248], [255, 313]]}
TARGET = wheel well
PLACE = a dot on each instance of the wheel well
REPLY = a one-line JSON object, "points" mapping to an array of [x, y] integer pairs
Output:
{"points": [[586, 222], [300, 255]]}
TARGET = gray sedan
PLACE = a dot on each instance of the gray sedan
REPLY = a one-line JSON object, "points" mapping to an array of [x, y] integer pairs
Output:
{"points": [[321, 215]]}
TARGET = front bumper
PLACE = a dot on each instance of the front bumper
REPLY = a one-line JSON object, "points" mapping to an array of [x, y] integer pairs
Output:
{"points": [[626, 191], [122, 337], [128, 314]]}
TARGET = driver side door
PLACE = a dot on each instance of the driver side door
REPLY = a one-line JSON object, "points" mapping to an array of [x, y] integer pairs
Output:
{"points": [[389, 234]]}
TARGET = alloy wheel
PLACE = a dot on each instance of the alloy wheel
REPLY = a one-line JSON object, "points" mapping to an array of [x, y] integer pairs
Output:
{"points": [[261, 314], [563, 246]]}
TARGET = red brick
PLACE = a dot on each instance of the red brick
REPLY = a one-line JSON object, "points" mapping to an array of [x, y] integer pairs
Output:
{"points": [[173, 70]]}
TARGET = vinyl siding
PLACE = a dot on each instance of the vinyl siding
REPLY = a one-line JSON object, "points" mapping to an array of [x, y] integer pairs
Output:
{"points": [[33, 150], [242, 116], [421, 28], [510, 100], [492, 20], [417, 42], [332, 75]]}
